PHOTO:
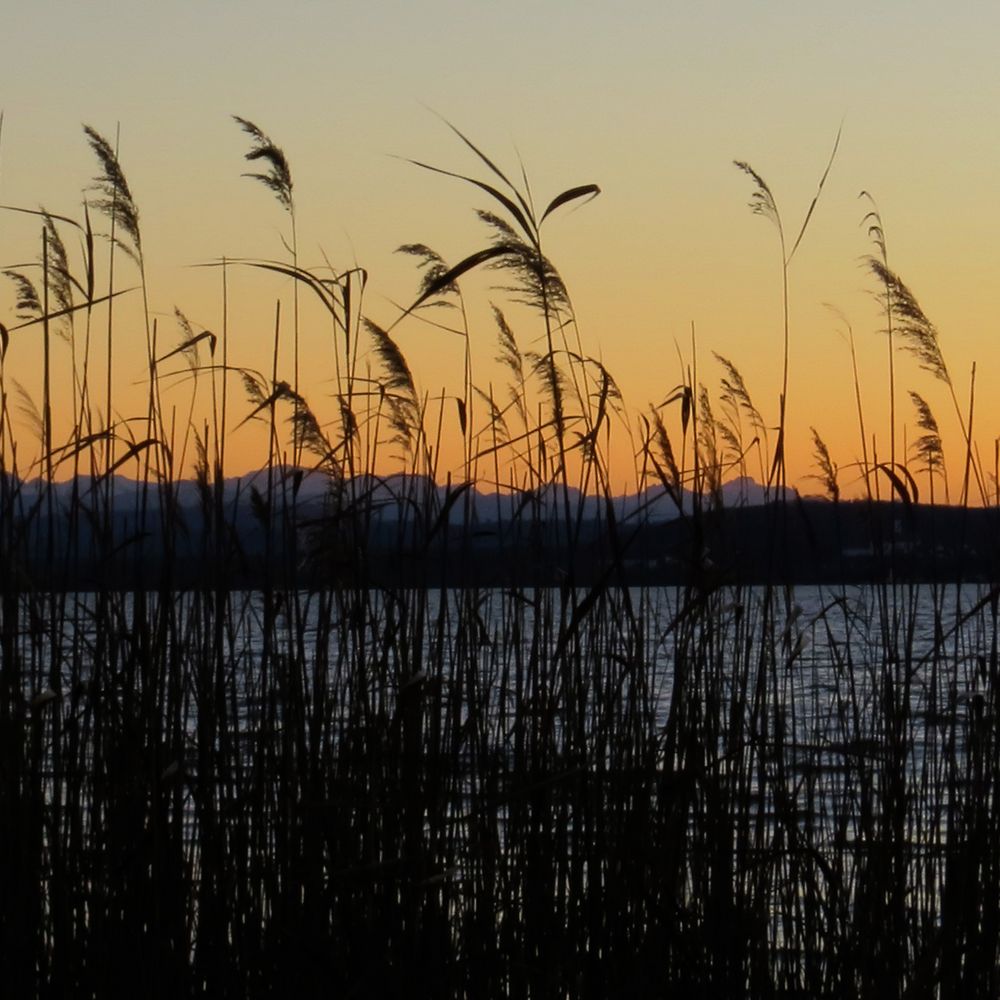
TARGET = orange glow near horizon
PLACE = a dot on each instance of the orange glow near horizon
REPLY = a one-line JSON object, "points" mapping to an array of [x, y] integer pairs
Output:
{"points": [[644, 346], [666, 268]]}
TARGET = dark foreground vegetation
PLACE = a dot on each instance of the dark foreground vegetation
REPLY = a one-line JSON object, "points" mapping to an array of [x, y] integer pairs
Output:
{"points": [[344, 783]]}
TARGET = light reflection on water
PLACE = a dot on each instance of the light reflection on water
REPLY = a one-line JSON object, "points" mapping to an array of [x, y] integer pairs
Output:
{"points": [[821, 633], [829, 728], [837, 676]]}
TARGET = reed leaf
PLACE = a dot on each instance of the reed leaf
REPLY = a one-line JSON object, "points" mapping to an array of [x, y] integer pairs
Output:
{"points": [[819, 191], [434, 270], [133, 451], [189, 346], [450, 276], [522, 201], [588, 191], [902, 482], [516, 212], [59, 313], [452, 495]]}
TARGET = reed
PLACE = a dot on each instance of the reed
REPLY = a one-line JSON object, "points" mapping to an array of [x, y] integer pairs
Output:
{"points": [[238, 755]]}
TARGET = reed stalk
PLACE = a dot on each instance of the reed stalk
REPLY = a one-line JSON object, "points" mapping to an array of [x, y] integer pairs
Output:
{"points": [[297, 744]]}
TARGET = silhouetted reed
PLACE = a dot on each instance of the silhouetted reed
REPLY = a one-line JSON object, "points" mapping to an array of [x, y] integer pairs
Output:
{"points": [[240, 757]]}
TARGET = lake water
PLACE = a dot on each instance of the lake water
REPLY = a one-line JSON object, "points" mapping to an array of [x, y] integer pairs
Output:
{"points": [[809, 744], [822, 660]]}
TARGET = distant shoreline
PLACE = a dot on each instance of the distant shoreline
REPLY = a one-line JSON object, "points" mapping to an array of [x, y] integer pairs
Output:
{"points": [[422, 536]]}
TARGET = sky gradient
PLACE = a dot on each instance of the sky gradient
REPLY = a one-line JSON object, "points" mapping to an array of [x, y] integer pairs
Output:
{"points": [[651, 101]]}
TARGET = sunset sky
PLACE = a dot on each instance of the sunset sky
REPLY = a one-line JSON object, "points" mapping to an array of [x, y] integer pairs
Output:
{"points": [[652, 101]]}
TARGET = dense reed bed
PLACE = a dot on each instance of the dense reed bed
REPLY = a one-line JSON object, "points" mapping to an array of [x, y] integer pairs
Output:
{"points": [[324, 786]]}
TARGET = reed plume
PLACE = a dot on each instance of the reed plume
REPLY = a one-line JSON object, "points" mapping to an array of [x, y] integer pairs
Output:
{"points": [[261, 760], [762, 203], [918, 334], [27, 304], [278, 176], [736, 403], [827, 467], [278, 179], [61, 280], [396, 385], [928, 448], [920, 338], [511, 358], [114, 198], [708, 446]]}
